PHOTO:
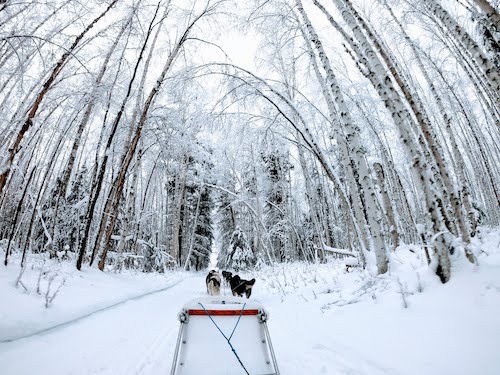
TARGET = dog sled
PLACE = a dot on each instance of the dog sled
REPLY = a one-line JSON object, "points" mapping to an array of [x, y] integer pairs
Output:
{"points": [[223, 335]]}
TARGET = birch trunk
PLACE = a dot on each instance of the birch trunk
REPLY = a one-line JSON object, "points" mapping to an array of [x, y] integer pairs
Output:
{"points": [[490, 71], [358, 164], [389, 94], [132, 121], [129, 219], [393, 228], [180, 187], [488, 9], [16, 216], [193, 233], [341, 141], [301, 127], [14, 148], [309, 195], [455, 201]]}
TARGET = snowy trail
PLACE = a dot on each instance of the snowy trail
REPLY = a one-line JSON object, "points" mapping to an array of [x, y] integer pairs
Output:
{"points": [[134, 337], [72, 321], [138, 337]]}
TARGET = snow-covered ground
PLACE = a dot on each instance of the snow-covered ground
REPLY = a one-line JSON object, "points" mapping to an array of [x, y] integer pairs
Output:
{"points": [[322, 319]]}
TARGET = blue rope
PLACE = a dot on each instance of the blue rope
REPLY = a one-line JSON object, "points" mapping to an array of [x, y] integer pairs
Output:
{"points": [[228, 339], [237, 322]]}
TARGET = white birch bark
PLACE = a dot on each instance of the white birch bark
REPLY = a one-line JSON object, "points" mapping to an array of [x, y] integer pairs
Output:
{"points": [[341, 141], [302, 128], [193, 233], [383, 84], [309, 195], [461, 181], [102, 169], [459, 33], [393, 228], [358, 163], [128, 220]]}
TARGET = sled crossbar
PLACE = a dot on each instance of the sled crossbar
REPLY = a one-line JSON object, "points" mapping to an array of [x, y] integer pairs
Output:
{"points": [[223, 312]]}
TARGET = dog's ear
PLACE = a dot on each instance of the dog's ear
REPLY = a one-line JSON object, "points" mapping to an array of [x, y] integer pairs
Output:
{"points": [[251, 282]]}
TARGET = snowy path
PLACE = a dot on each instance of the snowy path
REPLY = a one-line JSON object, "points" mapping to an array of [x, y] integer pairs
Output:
{"points": [[72, 321], [138, 337]]}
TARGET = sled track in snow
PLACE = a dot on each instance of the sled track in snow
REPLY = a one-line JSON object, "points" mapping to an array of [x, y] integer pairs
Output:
{"points": [[156, 359], [69, 322]]}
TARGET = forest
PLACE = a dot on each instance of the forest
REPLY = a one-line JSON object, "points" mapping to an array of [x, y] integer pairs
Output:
{"points": [[150, 135]]}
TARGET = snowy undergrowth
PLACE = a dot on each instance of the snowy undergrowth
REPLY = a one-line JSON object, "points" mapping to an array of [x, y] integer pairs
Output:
{"points": [[48, 292], [332, 284], [403, 322]]}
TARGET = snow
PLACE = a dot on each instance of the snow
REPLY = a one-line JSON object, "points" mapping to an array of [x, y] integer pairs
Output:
{"points": [[323, 320], [82, 293], [338, 251], [353, 262]]}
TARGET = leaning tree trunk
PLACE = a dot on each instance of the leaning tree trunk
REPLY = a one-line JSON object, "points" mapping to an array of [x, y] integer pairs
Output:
{"points": [[88, 111], [301, 126], [427, 139], [310, 197], [180, 187], [119, 183], [393, 229], [471, 126], [490, 12], [341, 141], [128, 222], [488, 68], [100, 176], [456, 203], [358, 164], [14, 148], [16, 216], [382, 82], [108, 205]]}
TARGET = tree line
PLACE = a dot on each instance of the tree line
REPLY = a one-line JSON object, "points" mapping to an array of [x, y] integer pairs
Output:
{"points": [[364, 126]]}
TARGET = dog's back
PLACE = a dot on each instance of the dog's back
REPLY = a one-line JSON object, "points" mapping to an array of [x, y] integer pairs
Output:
{"points": [[213, 283], [240, 286]]}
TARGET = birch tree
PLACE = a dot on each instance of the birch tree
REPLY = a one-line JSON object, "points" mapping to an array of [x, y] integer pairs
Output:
{"points": [[14, 147]]}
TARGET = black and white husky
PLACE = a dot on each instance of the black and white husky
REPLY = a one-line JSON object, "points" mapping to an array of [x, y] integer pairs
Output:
{"points": [[213, 283], [240, 286]]}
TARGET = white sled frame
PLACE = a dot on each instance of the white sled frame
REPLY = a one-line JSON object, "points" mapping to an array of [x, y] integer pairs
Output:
{"points": [[226, 312]]}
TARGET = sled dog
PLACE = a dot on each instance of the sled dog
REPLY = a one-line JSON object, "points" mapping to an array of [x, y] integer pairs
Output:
{"points": [[226, 275], [240, 286], [213, 283]]}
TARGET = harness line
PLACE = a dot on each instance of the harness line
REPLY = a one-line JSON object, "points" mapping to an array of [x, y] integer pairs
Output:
{"points": [[228, 339]]}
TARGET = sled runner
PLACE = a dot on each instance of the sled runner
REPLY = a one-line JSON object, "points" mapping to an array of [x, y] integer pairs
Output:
{"points": [[223, 335]]}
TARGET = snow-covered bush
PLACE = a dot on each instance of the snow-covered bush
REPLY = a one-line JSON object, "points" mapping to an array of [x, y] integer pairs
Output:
{"points": [[240, 255]]}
